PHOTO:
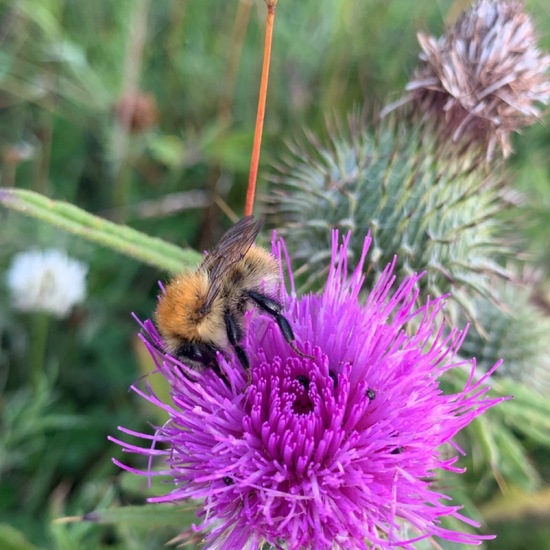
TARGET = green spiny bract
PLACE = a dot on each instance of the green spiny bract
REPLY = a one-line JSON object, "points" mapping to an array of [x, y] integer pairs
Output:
{"points": [[515, 329], [433, 208]]}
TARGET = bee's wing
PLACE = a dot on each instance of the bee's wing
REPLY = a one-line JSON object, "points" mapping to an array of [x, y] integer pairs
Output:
{"points": [[231, 248]]}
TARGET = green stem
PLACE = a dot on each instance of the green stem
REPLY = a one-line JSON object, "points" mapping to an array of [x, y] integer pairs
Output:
{"points": [[37, 356], [133, 59], [120, 238]]}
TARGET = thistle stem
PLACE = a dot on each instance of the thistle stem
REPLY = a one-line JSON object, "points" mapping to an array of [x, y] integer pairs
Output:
{"points": [[120, 238], [255, 160]]}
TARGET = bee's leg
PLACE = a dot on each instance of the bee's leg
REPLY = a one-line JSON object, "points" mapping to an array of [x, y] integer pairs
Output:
{"points": [[243, 358], [274, 308], [234, 335]]}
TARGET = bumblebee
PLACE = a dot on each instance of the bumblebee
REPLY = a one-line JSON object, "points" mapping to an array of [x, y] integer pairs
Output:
{"points": [[202, 312]]}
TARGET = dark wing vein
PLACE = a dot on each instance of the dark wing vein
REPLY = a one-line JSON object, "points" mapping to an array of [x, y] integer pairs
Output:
{"points": [[229, 250]]}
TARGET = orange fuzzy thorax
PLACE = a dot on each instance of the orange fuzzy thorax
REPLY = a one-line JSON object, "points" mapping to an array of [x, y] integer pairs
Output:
{"points": [[179, 316]]}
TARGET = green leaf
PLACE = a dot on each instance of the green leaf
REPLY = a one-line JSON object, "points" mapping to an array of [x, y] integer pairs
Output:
{"points": [[140, 487], [146, 516], [13, 539], [120, 238], [169, 150], [517, 504]]}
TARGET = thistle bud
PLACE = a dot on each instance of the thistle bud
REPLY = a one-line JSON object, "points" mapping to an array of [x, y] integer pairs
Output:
{"points": [[435, 212]]}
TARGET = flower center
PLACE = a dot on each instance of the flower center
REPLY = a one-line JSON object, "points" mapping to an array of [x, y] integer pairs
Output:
{"points": [[293, 406], [302, 403]]}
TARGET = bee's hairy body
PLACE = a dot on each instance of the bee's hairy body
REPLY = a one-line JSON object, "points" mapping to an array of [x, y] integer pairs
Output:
{"points": [[202, 312], [183, 316]]}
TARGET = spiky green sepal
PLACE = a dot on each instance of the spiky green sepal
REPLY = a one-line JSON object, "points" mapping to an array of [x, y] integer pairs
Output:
{"points": [[435, 210], [514, 329], [498, 445]]}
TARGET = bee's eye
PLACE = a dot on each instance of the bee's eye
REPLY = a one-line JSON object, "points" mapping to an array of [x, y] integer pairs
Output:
{"points": [[201, 353]]}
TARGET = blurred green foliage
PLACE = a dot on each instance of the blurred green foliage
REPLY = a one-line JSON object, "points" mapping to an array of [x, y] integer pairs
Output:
{"points": [[64, 67]]}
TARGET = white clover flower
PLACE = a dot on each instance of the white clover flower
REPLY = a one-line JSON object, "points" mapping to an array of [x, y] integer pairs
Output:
{"points": [[46, 281]]}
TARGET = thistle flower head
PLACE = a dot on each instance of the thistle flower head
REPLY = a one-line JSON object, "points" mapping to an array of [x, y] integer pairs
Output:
{"points": [[485, 78], [46, 281], [335, 451]]}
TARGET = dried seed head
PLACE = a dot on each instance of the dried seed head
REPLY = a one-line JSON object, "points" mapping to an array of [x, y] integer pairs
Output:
{"points": [[485, 78]]}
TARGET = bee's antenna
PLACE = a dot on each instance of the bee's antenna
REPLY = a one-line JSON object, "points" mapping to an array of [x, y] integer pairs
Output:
{"points": [[255, 160]]}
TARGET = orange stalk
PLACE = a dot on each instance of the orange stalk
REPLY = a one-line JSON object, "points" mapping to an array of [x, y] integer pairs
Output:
{"points": [[255, 160]]}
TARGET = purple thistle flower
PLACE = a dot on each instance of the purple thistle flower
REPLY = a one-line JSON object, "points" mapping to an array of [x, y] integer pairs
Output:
{"points": [[339, 451]]}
